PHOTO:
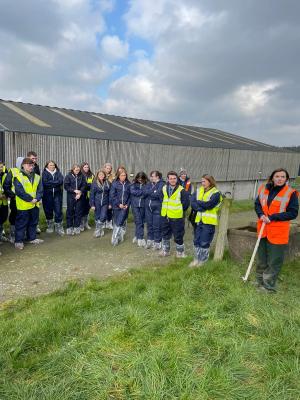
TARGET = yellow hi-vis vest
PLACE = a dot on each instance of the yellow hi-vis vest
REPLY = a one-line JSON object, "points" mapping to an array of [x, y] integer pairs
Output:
{"points": [[89, 180], [3, 202], [172, 206], [14, 173], [209, 217], [30, 189]]}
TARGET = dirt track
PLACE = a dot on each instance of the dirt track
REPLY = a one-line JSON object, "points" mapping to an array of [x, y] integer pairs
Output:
{"points": [[44, 268]]}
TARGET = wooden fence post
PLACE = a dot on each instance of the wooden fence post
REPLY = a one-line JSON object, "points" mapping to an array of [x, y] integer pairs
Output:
{"points": [[222, 231]]}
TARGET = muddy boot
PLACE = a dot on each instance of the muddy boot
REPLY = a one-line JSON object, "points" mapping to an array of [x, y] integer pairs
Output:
{"points": [[134, 240], [203, 255], [141, 242], [12, 234], [195, 263], [97, 232], [70, 231], [123, 231], [165, 248], [58, 227], [116, 235], [180, 251], [149, 244], [81, 227], [102, 228], [109, 225], [50, 226], [77, 230], [157, 246], [86, 223]]}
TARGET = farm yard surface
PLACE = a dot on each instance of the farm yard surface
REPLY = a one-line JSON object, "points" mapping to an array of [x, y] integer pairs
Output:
{"points": [[44, 268]]}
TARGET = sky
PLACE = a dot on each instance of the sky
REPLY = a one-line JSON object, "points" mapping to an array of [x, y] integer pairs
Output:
{"points": [[232, 65]]}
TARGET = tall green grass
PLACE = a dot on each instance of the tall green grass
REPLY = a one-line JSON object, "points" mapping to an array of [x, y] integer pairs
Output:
{"points": [[164, 333]]}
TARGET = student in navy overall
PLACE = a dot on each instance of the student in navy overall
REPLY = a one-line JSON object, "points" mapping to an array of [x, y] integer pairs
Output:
{"points": [[89, 176], [175, 202], [3, 198], [206, 201], [29, 192], [138, 206], [99, 201], [53, 180], [153, 202], [110, 176], [119, 199], [75, 185]]}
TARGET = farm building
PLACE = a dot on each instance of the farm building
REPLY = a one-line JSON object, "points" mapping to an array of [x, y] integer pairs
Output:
{"points": [[69, 136]]}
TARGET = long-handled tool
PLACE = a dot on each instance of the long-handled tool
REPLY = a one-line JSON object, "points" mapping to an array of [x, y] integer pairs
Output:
{"points": [[245, 278]]}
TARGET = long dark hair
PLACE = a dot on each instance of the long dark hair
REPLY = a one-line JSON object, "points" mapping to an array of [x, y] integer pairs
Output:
{"points": [[86, 174], [270, 179], [141, 175]]}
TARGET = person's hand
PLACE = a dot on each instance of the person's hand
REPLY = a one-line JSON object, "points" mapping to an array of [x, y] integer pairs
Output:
{"points": [[265, 219], [77, 197], [77, 191], [109, 207], [93, 208], [125, 207], [33, 201], [121, 206]]}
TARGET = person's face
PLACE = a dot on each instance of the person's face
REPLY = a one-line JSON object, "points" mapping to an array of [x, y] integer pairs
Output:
{"points": [[172, 179], [101, 176], [154, 178], [205, 183], [33, 158], [1, 168], [108, 169], [140, 180], [183, 177], [122, 176], [76, 170], [86, 168], [28, 168], [279, 178], [51, 166]]}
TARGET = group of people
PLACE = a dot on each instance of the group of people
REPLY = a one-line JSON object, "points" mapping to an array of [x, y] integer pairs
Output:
{"points": [[158, 206]]}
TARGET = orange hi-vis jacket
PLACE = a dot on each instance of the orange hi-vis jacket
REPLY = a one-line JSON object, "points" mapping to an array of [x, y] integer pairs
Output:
{"points": [[277, 232]]}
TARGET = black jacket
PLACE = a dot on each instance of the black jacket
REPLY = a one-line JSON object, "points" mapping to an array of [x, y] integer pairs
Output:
{"points": [[75, 182]]}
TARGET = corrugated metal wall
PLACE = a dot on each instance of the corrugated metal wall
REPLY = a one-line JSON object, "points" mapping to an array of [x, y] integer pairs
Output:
{"points": [[223, 164]]}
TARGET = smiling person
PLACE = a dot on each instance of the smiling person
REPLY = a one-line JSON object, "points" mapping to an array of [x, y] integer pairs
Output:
{"points": [[119, 199], [53, 181], [175, 202], [99, 200], [29, 191], [276, 205], [206, 201], [75, 186]]}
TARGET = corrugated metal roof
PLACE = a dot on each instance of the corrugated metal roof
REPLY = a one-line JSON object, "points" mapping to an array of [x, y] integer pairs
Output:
{"points": [[30, 118]]}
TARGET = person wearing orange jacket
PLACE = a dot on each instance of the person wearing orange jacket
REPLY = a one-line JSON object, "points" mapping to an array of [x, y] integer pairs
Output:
{"points": [[276, 205]]}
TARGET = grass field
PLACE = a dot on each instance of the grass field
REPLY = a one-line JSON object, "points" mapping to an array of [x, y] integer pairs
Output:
{"points": [[164, 333]]}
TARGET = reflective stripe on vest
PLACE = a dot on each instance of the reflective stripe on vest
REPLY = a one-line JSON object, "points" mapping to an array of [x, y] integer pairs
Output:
{"points": [[172, 206], [209, 217], [29, 189], [277, 232], [3, 202]]}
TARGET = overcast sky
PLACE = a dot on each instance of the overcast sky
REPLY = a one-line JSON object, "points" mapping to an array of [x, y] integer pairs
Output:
{"points": [[231, 65]]}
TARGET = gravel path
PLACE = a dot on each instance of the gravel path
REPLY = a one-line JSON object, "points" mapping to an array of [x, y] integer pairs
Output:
{"points": [[44, 268]]}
